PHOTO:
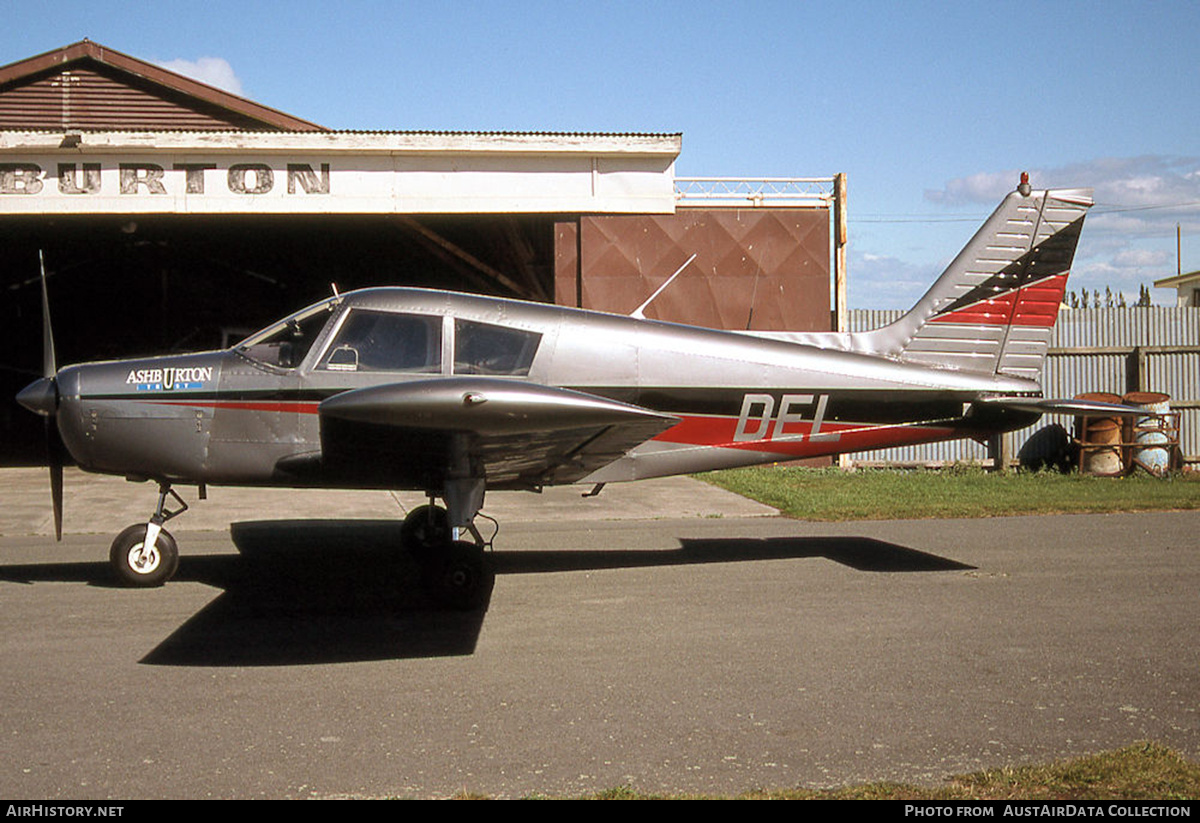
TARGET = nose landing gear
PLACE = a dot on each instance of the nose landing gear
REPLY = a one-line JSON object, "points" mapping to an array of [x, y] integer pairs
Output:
{"points": [[141, 563], [145, 555]]}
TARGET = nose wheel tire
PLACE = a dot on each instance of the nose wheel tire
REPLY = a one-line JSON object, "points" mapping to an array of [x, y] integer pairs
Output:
{"points": [[137, 566]]}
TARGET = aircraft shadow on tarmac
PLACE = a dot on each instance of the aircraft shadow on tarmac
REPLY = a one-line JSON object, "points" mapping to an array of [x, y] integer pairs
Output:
{"points": [[326, 591]]}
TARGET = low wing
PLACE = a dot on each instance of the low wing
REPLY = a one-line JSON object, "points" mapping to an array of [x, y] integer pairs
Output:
{"points": [[513, 434]]}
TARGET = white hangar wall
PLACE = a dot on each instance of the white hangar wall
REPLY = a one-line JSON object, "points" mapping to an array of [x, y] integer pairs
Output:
{"points": [[334, 173]]}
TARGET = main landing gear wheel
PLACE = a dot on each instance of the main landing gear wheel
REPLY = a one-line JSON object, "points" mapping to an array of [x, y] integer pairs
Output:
{"points": [[460, 577], [426, 529], [137, 566]]}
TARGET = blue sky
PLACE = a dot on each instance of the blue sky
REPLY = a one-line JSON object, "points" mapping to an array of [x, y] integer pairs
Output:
{"points": [[932, 109]]}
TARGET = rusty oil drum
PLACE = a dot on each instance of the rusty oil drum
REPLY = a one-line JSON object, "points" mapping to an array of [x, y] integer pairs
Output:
{"points": [[1100, 439]]}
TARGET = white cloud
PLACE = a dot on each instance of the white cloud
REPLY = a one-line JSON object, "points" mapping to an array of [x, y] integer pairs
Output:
{"points": [[1122, 184], [215, 71], [985, 187], [1156, 258], [881, 282], [1129, 236]]}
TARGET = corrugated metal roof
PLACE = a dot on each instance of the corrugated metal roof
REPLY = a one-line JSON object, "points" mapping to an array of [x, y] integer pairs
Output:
{"points": [[96, 101], [662, 148], [59, 87], [58, 130], [112, 91], [323, 132], [460, 132]]}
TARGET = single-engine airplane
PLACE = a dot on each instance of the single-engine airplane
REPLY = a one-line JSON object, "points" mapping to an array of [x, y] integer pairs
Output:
{"points": [[456, 394]]}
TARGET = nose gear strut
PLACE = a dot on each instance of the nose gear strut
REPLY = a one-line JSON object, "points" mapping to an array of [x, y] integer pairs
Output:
{"points": [[147, 555]]}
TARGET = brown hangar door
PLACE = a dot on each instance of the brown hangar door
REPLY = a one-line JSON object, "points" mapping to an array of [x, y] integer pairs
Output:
{"points": [[764, 269]]}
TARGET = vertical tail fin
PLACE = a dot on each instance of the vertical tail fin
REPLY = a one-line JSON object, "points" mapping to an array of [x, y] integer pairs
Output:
{"points": [[993, 309]]}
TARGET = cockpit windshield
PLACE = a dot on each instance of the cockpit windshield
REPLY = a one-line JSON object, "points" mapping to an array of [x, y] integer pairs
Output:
{"points": [[285, 344]]}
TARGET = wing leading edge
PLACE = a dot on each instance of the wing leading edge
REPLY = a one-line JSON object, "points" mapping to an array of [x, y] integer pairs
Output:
{"points": [[513, 434]]}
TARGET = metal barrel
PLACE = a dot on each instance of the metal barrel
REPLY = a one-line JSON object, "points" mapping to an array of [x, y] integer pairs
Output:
{"points": [[1102, 447], [1099, 397], [1100, 438], [1150, 434]]}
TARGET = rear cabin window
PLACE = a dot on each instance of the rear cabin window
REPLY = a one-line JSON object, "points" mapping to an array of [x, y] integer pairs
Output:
{"points": [[481, 348], [385, 341]]}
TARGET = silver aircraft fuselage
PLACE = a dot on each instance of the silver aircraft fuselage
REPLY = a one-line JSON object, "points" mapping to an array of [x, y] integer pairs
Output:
{"points": [[455, 394], [251, 416]]}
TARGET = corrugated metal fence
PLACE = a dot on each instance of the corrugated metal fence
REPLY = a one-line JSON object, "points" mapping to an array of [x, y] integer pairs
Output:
{"points": [[1154, 348]]}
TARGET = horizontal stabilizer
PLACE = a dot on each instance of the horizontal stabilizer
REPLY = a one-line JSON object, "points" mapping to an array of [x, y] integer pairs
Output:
{"points": [[1084, 408]]}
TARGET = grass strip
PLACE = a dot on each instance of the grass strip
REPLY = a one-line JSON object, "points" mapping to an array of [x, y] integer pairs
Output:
{"points": [[1142, 771], [958, 491]]}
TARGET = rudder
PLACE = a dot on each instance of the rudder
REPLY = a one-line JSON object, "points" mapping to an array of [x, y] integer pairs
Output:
{"points": [[993, 310]]}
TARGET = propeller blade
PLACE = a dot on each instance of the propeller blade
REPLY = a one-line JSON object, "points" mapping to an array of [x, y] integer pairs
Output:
{"points": [[54, 449], [49, 367], [49, 407]]}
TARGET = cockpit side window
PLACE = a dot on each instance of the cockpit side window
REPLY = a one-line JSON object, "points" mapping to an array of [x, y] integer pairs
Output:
{"points": [[287, 345], [386, 341], [482, 348]]}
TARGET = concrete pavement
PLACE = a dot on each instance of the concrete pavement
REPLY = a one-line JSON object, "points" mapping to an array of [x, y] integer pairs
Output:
{"points": [[707, 655], [97, 504]]}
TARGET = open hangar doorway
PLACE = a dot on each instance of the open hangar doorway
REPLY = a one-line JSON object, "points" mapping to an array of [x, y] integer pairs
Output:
{"points": [[136, 285]]}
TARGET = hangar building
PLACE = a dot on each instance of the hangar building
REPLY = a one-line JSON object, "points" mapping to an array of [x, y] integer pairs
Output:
{"points": [[175, 216]]}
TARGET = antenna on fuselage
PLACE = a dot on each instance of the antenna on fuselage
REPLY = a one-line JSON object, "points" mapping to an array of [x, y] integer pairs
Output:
{"points": [[639, 312]]}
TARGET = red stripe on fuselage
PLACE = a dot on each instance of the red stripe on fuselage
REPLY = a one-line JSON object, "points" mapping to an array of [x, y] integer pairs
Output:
{"points": [[797, 439], [278, 406]]}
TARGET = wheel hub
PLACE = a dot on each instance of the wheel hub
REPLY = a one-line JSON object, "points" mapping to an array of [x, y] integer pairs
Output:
{"points": [[143, 561]]}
